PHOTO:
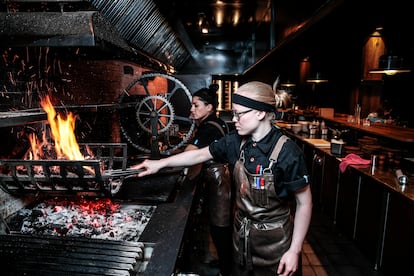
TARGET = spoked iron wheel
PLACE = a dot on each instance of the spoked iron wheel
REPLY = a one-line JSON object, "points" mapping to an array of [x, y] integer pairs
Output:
{"points": [[154, 114]]}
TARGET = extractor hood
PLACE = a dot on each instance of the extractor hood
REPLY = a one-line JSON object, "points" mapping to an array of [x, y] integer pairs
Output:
{"points": [[82, 28], [133, 28]]}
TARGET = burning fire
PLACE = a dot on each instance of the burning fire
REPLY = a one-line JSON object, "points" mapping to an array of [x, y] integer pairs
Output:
{"points": [[62, 132]]}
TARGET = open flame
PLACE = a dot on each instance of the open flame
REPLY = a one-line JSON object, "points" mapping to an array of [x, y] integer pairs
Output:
{"points": [[62, 130]]}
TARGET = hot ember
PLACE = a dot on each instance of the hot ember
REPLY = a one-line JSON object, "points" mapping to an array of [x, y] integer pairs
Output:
{"points": [[100, 219]]}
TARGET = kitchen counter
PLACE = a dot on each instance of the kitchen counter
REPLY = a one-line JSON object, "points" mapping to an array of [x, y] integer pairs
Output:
{"points": [[368, 206], [383, 175], [167, 229]]}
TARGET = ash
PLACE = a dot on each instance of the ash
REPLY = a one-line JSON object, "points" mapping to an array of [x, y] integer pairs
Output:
{"points": [[98, 219]]}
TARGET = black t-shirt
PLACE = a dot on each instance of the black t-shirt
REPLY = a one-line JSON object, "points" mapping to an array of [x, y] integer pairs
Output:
{"points": [[290, 169], [206, 132]]}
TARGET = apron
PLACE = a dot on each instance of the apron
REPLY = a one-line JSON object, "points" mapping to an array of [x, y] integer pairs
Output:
{"points": [[263, 224], [218, 191]]}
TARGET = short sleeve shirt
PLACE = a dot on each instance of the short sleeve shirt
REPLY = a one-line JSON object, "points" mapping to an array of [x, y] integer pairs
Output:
{"points": [[289, 171], [206, 132]]}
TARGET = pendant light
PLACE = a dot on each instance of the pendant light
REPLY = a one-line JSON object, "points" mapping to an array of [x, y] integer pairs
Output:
{"points": [[318, 78], [287, 83], [390, 65]]}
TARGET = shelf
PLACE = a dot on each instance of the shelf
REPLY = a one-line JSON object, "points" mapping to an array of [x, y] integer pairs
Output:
{"points": [[402, 134], [16, 118]]}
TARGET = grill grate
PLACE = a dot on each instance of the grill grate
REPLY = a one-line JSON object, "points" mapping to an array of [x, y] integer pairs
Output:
{"points": [[29, 255], [63, 176]]}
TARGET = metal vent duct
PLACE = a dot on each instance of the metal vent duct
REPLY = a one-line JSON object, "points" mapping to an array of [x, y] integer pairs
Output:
{"points": [[140, 23]]}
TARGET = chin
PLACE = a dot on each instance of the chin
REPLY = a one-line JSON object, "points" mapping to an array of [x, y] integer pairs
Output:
{"points": [[240, 131]]}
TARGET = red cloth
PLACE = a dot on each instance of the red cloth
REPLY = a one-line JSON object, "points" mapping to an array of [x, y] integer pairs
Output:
{"points": [[352, 159]]}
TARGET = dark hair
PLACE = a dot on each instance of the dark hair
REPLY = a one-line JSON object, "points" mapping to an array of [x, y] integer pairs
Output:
{"points": [[208, 95]]}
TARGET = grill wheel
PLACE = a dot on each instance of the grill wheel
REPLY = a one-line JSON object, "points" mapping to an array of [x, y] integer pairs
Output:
{"points": [[156, 121]]}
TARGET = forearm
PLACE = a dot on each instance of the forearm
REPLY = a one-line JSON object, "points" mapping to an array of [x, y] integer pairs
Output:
{"points": [[302, 220], [183, 159], [187, 158]]}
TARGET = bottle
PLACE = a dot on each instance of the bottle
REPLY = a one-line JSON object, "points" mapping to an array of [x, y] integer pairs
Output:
{"points": [[358, 114], [402, 178]]}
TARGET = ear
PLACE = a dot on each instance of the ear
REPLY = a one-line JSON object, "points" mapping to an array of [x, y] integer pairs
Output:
{"points": [[261, 115], [209, 107]]}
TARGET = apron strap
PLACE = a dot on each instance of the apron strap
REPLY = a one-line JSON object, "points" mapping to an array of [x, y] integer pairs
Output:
{"points": [[244, 244], [275, 152]]}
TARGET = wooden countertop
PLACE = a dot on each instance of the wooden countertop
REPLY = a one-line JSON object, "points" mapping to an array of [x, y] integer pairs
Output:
{"points": [[398, 133]]}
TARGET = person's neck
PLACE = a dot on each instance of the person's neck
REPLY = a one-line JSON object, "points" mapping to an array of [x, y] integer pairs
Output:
{"points": [[261, 132], [205, 117]]}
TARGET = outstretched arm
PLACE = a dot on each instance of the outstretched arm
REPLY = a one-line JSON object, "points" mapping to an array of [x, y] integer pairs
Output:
{"points": [[184, 159]]}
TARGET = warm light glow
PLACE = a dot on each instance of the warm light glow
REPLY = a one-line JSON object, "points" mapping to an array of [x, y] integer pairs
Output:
{"points": [[389, 72], [219, 13], [236, 17], [317, 79]]}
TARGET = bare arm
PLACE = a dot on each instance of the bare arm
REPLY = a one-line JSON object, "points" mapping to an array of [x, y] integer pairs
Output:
{"points": [[303, 214], [193, 171], [184, 159]]}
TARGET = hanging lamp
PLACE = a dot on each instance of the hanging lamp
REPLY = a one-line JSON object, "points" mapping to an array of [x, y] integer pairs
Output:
{"points": [[318, 78], [287, 83], [390, 65]]}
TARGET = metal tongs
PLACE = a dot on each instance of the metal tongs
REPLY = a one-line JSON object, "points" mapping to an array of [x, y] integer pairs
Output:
{"points": [[117, 177], [118, 173]]}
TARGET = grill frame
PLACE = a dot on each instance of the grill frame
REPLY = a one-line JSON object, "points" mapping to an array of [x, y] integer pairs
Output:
{"points": [[70, 177]]}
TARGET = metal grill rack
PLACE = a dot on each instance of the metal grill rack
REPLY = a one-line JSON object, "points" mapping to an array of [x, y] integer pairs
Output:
{"points": [[97, 175]]}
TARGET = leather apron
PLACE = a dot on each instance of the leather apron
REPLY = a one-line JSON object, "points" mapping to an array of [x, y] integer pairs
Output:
{"points": [[218, 191], [263, 223]]}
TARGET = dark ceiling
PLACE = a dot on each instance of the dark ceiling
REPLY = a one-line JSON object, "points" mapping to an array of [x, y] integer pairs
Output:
{"points": [[240, 31], [166, 33]]}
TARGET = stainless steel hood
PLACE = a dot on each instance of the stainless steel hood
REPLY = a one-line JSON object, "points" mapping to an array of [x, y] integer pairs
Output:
{"points": [[135, 28], [143, 26], [82, 28]]}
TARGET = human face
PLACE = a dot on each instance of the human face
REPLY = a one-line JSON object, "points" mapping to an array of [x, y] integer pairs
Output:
{"points": [[245, 119], [237, 115], [199, 109]]}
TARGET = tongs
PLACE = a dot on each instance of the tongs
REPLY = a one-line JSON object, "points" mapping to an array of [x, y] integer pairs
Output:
{"points": [[118, 173], [117, 177]]}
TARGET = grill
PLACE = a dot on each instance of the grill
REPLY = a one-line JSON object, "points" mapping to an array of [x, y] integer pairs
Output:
{"points": [[47, 255], [53, 236], [20, 176]]}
